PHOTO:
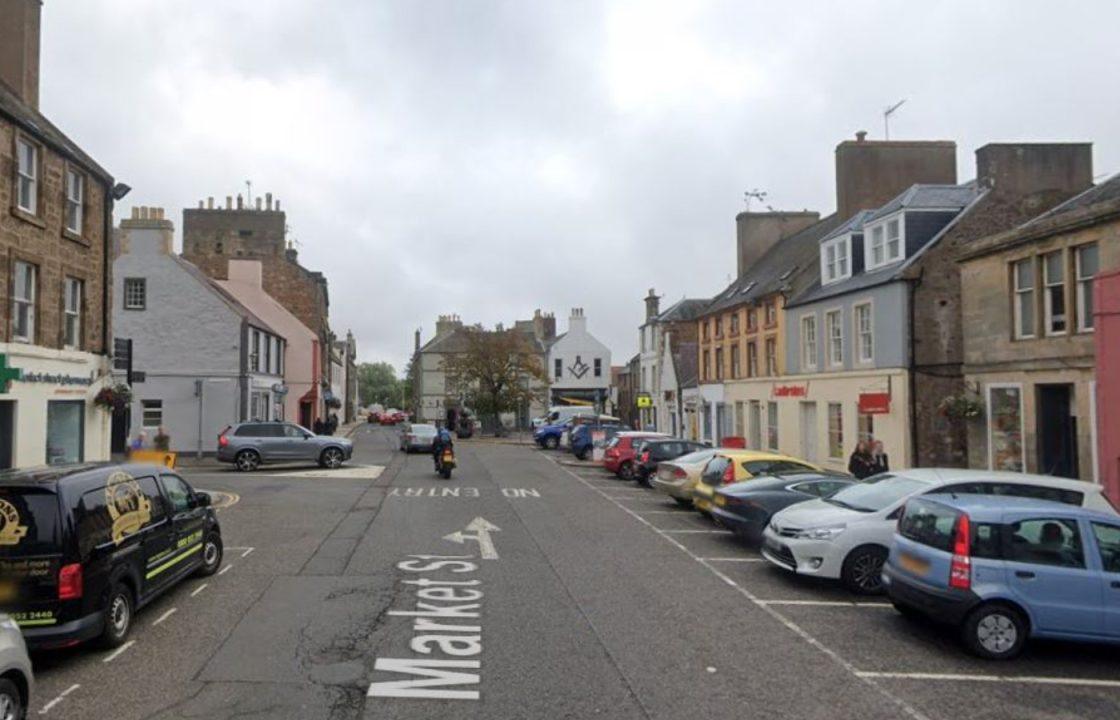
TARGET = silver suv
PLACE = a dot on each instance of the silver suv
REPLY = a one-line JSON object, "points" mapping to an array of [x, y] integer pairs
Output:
{"points": [[249, 444], [15, 672]]}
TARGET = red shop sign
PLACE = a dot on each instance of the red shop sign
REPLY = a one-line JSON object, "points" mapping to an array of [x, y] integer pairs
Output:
{"points": [[878, 403], [790, 390]]}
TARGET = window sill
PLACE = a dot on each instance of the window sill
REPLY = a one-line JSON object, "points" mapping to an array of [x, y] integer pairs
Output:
{"points": [[75, 238], [27, 217]]}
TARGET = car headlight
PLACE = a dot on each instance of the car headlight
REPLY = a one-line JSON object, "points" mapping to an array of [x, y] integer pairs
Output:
{"points": [[821, 533]]}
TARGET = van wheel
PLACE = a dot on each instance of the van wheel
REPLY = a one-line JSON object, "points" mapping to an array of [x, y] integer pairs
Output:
{"points": [[211, 555], [118, 616], [863, 570], [248, 460], [551, 442], [995, 631], [11, 702], [331, 458]]}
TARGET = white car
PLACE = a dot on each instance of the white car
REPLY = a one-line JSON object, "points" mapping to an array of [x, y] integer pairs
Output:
{"points": [[16, 680], [848, 536]]}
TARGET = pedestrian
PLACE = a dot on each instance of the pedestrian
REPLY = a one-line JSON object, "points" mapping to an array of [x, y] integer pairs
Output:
{"points": [[879, 462], [332, 425], [139, 441], [317, 427], [859, 465]]}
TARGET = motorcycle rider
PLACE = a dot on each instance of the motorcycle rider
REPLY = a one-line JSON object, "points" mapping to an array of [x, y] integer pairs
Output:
{"points": [[441, 443]]}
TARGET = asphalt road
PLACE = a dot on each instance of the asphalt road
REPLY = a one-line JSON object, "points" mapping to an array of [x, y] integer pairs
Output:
{"points": [[574, 596]]}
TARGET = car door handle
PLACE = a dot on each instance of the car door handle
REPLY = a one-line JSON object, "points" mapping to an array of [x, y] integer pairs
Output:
{"points": [[1024, 574]]}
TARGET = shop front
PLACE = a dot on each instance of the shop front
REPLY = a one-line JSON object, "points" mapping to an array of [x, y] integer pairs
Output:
{"points": [[47, 415]]}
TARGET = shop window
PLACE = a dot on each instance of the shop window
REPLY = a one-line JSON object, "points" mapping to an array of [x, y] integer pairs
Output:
{"points": [[1005, 428], [65, 431], [151, 413], [835, 430]]}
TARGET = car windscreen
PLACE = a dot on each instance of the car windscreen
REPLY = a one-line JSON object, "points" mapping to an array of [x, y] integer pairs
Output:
{"points": [[29, 523], [695, 457], [762, 467], [423, 430], [876, 493]]}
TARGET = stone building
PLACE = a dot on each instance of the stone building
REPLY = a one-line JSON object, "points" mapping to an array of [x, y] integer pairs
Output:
{"points": [[257, 230], [202, 359], [55, 235], [1027, 299], [659, 337]]}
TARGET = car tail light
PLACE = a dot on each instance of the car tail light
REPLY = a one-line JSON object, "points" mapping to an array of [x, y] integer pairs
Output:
{"points": [[70, 582], [679, 473], [223, 440], [960, 570], [729, 474]]}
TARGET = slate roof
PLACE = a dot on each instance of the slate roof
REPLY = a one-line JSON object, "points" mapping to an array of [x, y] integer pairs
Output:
{"points": [[854, 224], [685, 309], [784, 267], [1107, 191], [928, 197], [226, 296], [687, 364], [455, 340], [34, 123]]}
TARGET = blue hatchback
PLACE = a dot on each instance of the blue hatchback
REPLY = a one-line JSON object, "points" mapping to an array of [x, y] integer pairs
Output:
{"points": [[1004, 569]]}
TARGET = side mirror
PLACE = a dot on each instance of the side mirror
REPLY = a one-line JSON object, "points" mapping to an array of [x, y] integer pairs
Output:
{"points": [[202, 499]]}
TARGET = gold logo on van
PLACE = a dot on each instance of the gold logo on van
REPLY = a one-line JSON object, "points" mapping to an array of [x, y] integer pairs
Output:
{"points": [[128, 507], [11, 532]]}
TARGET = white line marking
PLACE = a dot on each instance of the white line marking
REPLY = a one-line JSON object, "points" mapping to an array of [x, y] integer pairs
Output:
{"points": [[827, 603], [237, 547], [119, 651], [57, 700], [735, 559], [696, 532], [682, 513], [247, 551], [793, 627], [200, 588], [164, 616], [225, 569], [1024, 679]]}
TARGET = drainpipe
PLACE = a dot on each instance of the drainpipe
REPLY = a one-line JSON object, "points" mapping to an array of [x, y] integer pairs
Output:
{"points": [[911, 285]]}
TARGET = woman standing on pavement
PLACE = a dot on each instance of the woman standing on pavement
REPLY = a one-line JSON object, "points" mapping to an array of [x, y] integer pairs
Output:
{"points": [[879, 462], [860, 464]]}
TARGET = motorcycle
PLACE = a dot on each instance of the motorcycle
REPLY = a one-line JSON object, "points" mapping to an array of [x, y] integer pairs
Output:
{"points": [[446, 463]]}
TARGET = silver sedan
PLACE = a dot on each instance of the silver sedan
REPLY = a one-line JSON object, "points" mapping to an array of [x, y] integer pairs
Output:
{"points": [[418, 437]]}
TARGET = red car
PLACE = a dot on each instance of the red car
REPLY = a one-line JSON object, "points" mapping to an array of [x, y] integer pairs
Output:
{"points": [[619, 455]]}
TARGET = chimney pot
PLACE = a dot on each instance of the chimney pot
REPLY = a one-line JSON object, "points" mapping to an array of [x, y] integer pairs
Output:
{"points": [[229, 202], [240, 202], [210, 202], [258, 203], [201, 204], [861, 135], [135, 213], [277, 204], [268, 200]]}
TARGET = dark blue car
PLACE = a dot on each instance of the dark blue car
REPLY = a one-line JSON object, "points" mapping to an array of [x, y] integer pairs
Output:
{"points": [[582, 439], [746, 507]]}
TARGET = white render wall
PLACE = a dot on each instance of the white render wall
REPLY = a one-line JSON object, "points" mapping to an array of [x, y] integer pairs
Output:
{"points": [[579, 344]]}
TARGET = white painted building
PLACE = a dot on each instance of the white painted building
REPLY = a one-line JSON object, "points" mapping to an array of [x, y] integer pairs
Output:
{"points": [[579, 366]]}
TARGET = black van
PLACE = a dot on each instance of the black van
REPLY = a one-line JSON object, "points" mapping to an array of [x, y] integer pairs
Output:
{"points": [[82, 547]]}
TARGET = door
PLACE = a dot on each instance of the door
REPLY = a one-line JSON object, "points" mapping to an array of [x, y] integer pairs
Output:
{"points": [[740, 428], [1107, 537], [755, 425], [7, 434], [305, 414], [158, 540], [1057, 431], [809, 431], [1047, 570], [188, 521], [118, 443], [298, 444]]}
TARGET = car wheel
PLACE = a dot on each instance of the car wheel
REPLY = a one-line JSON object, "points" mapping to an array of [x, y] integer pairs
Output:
{"points": [[683, 502], [248, 460], [626, 471], [118, 616], [862, 572], [11, 702], [211, 555], [551, 442], [331, 458], [995, 631], [581, 455]]}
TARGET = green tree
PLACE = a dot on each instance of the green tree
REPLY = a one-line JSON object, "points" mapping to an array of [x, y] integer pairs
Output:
{"points": [[499, 372], [378, 384]]}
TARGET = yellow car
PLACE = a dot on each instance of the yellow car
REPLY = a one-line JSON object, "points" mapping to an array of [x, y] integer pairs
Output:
{"points": [[729, 466]]}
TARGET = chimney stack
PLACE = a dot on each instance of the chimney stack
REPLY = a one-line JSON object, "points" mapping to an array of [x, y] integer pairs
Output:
{"points": [[757, 232], [1019, 169], [871, 172], [19, 48], [653, 305], [416, 340], [210, 202], [146, 229], [258, 203]]}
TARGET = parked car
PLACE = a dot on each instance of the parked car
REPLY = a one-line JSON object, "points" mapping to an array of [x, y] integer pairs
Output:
{"points": [[731, 465], [16, 679], [620, 451], [1003, 570], [746, 507], [678, 477], [250, 444], [582, 442], [85, 546], [651, 452], [418, 437], [548, 436], [848, 536]]}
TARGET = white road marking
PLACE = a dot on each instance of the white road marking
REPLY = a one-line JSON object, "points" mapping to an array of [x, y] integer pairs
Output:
{"points": [[164, 616], [683, 513], [711, 669], [119, 651], [696, 532], [346, 472], [478, 530], [200, 588], [247, 551], [1023, 679], [793, 627], [735, 559], [828, 603], [225, 570], [47, 708]]}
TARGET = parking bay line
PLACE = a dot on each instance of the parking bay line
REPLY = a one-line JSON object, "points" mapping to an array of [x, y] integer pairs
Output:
{"points": [[828, 603], [225, 569], [735, 559], [200, 588], [1022, 679], [790, 625], [164, 616], [696, 532], [47, 708], [119, 651]]}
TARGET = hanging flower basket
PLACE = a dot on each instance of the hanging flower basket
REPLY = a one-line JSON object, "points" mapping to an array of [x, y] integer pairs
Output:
{"points": [[115, 399], [961, 407]]}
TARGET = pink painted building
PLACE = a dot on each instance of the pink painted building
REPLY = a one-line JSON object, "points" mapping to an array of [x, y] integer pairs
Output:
{"points": [[1107, 304], [302, 397]]}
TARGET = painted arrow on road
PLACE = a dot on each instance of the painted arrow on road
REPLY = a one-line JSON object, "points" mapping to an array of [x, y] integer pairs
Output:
{"points": [[478, 530]]}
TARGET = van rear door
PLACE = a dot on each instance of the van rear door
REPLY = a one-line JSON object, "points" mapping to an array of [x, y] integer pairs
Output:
{"points": [[30, 554]]}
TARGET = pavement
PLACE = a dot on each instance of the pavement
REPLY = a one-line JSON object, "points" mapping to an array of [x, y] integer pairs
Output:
{"points": [[523, 588]]}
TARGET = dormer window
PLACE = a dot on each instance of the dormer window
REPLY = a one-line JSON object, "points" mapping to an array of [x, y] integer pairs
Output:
{"points": [[836, 260], [885, 246]]}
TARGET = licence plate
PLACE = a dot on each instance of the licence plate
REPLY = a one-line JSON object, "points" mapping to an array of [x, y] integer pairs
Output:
{"points": [[916, 565]]}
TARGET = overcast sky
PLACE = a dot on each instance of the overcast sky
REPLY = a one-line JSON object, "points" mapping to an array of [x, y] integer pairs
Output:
{"points": [[488, 158]]}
